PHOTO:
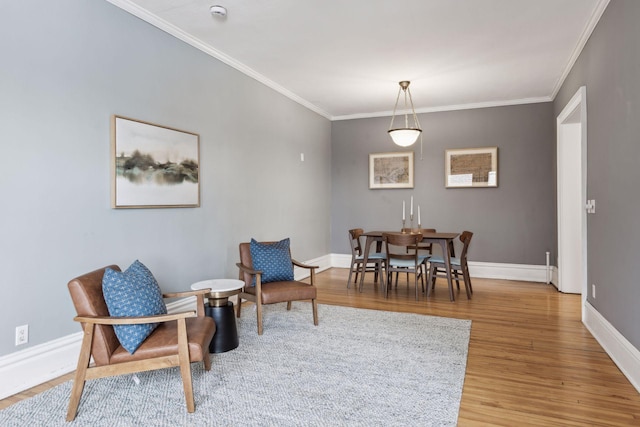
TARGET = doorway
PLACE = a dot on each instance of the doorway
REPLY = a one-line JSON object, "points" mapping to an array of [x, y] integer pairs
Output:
{"points": [[572, 195]]}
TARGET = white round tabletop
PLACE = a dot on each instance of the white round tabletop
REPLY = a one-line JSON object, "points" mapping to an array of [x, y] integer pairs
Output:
{"points": [[219, 285]]}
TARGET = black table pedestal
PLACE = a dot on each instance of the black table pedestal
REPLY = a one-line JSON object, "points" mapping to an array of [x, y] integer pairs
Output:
{"points": [[226, 336]]}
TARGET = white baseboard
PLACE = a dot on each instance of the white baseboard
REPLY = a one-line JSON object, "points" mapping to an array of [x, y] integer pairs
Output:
{"points": [[621, 351], [524, 272], [489, 270], [35, 365], [38, 364]]}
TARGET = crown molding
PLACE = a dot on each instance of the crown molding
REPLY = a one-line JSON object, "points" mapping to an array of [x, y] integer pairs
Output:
{"points": [[456, 107], [598, 11], [134, 9], [165, 26]]}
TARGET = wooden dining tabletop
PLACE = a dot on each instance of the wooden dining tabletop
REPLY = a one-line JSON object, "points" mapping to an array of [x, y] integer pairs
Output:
{"points": [[445, 240]]}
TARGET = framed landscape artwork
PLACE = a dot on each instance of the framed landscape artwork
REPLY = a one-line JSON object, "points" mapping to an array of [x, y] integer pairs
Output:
{"points": [[391, 170], [471, 167], [153, 166]]}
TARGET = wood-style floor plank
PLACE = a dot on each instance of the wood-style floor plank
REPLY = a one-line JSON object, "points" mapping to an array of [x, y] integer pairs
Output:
{"points": [[531, 360]]}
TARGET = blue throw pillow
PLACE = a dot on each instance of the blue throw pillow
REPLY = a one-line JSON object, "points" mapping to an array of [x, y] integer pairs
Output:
{"points": [[134, 292], [273, 260]]}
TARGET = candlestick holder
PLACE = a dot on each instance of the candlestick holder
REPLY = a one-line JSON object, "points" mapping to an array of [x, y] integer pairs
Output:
{"points": [[411, 218], [403, 229]]}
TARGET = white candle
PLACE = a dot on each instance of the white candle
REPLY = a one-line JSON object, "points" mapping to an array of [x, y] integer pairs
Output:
{"points": [[419, 215], [403, 210], [411, 211]]}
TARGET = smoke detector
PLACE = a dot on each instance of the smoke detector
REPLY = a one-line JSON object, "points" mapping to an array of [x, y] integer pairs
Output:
{"points": [[218, 10]]}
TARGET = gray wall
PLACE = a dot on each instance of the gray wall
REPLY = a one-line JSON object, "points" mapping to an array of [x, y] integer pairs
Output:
{"points": [[609, 67], [67, 66], [513, 223]]}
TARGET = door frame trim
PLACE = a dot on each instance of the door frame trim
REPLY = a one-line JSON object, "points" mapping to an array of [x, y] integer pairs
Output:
{"points": [[578, 103]]}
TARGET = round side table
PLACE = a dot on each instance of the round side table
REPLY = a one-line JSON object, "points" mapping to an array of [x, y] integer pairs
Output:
{"points": [[221, 310]]}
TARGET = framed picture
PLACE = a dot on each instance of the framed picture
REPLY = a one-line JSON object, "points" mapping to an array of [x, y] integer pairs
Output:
{"points": [[153, 166], [471, 167], [391, 170]]}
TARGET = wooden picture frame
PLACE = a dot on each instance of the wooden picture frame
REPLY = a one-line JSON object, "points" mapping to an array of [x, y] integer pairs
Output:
{"points": [[153, 166], [391, 170], [471, 167]]}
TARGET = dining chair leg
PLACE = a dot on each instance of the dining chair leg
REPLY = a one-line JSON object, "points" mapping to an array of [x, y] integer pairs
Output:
{"points": [[431, 279], [388, 285], [455, 273], [357, 273], [467, 282], [380, 272]]}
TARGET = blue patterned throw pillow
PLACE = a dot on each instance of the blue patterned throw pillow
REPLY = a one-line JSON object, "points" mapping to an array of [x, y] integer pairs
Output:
{"points": [[273, 260], [133, 292]]}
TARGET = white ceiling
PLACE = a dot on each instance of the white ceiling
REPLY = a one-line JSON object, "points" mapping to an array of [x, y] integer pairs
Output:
{"points": [[344, 58]]}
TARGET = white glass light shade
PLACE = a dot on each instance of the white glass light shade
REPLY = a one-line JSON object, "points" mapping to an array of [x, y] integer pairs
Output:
{"points": [[404, 137]]}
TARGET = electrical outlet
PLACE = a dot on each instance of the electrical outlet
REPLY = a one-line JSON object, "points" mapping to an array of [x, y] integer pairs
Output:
{"points": [[593, 290], [22, 334]]}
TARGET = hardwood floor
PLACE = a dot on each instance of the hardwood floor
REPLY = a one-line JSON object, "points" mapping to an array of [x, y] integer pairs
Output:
{"points": [[531, 360]]}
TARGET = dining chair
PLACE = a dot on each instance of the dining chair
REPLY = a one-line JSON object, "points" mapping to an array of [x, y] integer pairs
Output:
{"points": [[459, 265], [375, 262], [403, 256], [428, 247], [421, 246]]}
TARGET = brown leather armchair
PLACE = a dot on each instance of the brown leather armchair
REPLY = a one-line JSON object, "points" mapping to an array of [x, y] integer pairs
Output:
{"points": [[179, 339], [273, 292]]}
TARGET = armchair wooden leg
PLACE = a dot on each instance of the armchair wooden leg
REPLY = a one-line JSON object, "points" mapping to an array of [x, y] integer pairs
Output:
{"points": [[207, 359], [185, 365], [81, 371], [259, 315], [314, 303], [239, 307], [288, 305]]}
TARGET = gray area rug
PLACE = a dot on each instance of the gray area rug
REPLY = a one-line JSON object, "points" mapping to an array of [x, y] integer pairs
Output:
{"points": [[357, 368]]}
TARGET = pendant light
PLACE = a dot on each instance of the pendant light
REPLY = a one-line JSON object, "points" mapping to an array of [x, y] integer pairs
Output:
{"points": [[405, 136]]}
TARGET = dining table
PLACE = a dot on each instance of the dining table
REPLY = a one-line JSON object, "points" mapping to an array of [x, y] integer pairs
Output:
{"points": [[445, 240]]}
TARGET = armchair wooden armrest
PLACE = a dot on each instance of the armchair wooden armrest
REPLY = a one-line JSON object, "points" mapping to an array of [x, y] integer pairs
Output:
{"points": [[134, 320], [187, 293], [246, 269], [198, 293], [299, 264]]}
